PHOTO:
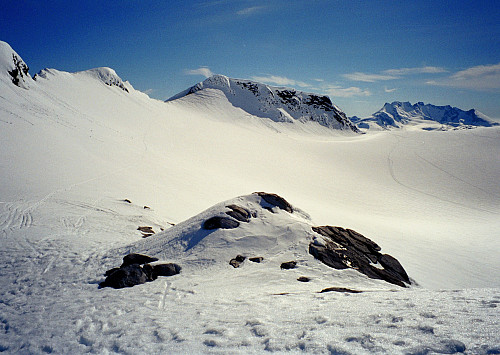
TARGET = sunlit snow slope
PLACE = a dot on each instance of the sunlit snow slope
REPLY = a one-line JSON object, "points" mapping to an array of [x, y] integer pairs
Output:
{"points": [[76, 145]]}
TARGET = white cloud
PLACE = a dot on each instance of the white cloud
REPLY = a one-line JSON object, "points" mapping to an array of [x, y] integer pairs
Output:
{"points": [[392, 74], [249, 10], [368, 78], [280, 80], [338, 91], [204, 71], [419, 70], [389, 90], [481, 77]]}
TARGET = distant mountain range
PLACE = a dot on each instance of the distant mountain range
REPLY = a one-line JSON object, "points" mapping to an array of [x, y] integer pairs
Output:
{"points": [[398, 114], [276, 103]]}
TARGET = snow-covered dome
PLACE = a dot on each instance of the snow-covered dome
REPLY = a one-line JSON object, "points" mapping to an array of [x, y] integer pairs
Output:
{"points": [[107, 75]]}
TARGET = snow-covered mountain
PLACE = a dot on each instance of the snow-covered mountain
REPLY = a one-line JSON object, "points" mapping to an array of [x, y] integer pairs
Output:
{"points": [[277, 104], [399, 114], [91, 172], [12, 67]]}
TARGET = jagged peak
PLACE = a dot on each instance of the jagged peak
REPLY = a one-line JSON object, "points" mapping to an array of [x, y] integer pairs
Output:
{"points": [[13, 67], [397, 114]]}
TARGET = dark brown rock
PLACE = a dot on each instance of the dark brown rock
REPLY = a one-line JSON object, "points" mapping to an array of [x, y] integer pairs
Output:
{"points": [[169, 269], [239, 213], [220, 222], [276, 200], [133, 258], [304, 279], [339, 289], [236, 262], [257, 259], [345, 248], [110, 271], [146, 229], [289, 265], [126, 276]]}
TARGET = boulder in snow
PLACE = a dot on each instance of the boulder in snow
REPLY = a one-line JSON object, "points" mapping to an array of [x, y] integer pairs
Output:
{"points": [[220, 222], [140, 259]]}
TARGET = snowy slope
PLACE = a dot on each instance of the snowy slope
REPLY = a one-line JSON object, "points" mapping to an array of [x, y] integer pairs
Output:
{"points": [[398, 114], [74, 148], [278, 104]]}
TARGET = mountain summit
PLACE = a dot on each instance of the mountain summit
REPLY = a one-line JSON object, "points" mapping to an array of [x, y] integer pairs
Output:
{"points": [[398, 114], [277, 104], [13, 67]]}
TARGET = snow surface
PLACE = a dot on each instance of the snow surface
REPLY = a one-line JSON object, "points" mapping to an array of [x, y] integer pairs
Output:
{"points": [[73, 148]]}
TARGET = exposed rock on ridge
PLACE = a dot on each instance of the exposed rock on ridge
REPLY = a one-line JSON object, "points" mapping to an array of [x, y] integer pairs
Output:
{"points": [[266, 224], [345, 248], [13, 66], [277, 104]]}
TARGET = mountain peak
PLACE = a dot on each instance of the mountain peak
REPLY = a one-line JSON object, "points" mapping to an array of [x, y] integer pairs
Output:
{"points": [[12, 66], [397, 114], [276, 103], [107, 75]]}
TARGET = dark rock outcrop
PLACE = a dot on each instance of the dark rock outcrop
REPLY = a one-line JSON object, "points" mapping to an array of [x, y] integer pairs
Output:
{"points": [[140, 259], [303, 279], [236, 262], [289, 265], [339, 289], [169, 269], [346, 248], [276, 200], [20, 71], [239, 213], [220, 222], [131, 273], [125, 276], [256, 259], [146, 229]]}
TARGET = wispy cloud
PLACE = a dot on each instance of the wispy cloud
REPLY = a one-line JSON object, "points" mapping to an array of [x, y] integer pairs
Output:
{"points": [[338, 91], [280, 80], [389, 90], [419, 70], [204, 71], [368, 78], [392, 74], [481, 77], [249, 10]]}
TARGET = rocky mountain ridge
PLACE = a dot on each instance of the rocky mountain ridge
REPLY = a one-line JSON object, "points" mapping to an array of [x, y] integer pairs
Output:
{"points": [[275, 103], [398, 114]]}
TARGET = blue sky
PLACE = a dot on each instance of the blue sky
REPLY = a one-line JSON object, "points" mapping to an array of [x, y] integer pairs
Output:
{"points": [[360, 53]]}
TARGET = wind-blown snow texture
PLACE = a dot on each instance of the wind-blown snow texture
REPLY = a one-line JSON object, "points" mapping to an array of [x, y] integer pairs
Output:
{"points": [[278, 104], [398, 114], [74, 149]]}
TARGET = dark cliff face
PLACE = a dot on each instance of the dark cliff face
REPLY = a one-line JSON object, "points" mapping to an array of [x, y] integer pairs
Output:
{"points": [[20, 70]]}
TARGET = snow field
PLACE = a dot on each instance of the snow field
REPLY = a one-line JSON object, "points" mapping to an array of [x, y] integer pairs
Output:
{"points": [[73, 149]]}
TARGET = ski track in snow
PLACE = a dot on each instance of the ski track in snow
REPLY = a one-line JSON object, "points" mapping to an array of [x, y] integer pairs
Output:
{"points": [[392, 171]]}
